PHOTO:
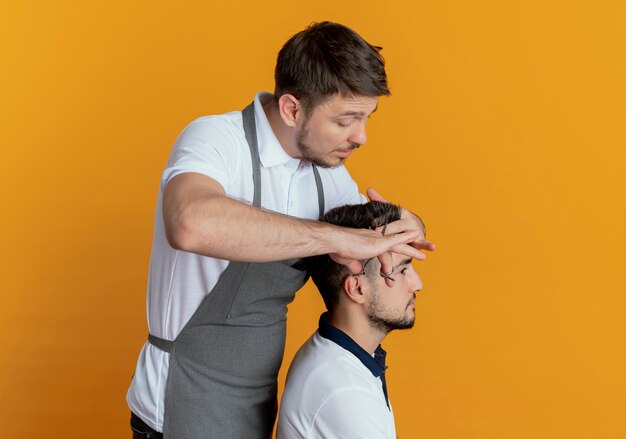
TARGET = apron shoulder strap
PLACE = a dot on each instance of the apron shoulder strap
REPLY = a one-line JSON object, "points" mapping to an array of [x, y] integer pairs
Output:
{"points": [[249, 128], [320, 192]]}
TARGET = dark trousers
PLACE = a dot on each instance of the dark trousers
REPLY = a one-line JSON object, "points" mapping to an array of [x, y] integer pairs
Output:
{"points": [[141, 430]]}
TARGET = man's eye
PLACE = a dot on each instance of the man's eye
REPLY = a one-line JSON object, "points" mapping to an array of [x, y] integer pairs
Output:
{"points": [[403, 271], [343, 124]]}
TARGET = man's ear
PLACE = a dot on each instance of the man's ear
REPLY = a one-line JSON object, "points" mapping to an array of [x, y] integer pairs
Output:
{"points": [[289, 109], [353, 288]]}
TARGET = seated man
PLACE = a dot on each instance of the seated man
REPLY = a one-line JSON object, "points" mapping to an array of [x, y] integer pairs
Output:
{"points": [[336, 384]]}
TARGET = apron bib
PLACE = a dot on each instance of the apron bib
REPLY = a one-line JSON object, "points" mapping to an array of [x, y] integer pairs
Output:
{"points": [[223, 366]]}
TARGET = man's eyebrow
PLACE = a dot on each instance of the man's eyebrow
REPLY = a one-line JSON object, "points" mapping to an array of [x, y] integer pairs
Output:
{"points": [[406, 261], [352, 113], [357, 113]]}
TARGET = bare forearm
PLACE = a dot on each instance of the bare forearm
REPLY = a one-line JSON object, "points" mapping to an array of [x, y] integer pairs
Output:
{"points": [[224, 228], [199, 218]]}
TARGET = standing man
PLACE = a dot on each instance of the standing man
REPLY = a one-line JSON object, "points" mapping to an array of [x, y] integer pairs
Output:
{"points": [[237, 207], [336, 386]]}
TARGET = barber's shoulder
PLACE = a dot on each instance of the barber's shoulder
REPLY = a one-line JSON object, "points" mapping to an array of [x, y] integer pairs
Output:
{"points": [[216, 125], [210, 145], [223, 133]]}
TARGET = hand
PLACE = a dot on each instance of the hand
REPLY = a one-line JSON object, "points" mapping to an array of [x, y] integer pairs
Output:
{"points": [[408, 222], [356, 245]]}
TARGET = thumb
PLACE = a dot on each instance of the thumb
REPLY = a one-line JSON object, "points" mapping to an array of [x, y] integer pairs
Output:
{"points": [[354, 265], [373, 195]]}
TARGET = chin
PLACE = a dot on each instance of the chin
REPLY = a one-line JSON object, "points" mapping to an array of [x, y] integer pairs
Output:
{"points": [[328, 164], [407, 324], [388, 325]]}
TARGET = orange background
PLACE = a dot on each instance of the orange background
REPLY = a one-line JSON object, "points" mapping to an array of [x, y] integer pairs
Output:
{"points": [[506, 131]]}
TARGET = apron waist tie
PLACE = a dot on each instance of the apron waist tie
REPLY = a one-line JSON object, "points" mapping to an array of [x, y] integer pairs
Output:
{"points": [[161, 343]]}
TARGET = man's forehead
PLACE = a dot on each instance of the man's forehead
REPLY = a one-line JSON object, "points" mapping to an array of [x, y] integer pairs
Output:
{"points": [[351, 105], [399, 260]]}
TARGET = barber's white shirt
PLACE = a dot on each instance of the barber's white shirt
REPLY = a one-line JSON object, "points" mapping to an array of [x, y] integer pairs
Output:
{"points": [[178, 281], [331, 394]]}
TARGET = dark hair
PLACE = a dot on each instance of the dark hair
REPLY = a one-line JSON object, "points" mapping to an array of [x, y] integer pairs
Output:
{"points": [[329, 58], [328, 275]]}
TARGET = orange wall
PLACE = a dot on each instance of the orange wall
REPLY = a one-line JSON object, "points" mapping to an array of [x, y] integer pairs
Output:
{"points": [[506, 131]]}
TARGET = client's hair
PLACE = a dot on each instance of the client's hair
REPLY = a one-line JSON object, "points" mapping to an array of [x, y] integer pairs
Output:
{"points": [[328, 275]]}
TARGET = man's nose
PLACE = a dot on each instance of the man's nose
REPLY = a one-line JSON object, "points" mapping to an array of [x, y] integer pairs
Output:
{"points": [[358, 135], [416, 284]]}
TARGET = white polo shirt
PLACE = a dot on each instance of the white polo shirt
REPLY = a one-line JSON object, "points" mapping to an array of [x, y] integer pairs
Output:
{"points": [[333, 392], [178, 281]]}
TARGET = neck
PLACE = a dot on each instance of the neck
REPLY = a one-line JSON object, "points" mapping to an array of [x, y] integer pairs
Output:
{"points": [[358, 328], [286, 135]]}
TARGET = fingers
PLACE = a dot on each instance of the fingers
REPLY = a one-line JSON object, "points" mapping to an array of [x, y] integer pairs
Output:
{"points": [[421, 224], [410, 251], [373, 195], [409, 221], [418, 245], [400, 242], [406, 225], [423, 244], [354, 265], [393, 240], [414, 249], [378, 245], [386, 266], [400, 226]]}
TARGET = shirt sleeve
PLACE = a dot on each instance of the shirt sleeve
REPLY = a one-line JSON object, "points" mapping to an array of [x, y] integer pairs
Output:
{"points": [[207, 146], [352, 413]]}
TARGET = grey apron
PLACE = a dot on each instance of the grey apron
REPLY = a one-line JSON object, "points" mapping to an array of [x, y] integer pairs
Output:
{"points": [[223, 366]]}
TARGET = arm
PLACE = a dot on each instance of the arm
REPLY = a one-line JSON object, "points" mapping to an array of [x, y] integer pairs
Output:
{"points": [[200, 218]]}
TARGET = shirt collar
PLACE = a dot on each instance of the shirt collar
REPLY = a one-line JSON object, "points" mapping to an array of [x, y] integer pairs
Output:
{"points": [[271, 151], [375, 364]]}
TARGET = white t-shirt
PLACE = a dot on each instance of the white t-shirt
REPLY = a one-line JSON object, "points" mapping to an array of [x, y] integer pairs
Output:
{"points": [[178, 281], [331, 394]]}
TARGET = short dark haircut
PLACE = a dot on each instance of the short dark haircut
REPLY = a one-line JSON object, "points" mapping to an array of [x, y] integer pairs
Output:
{"points": [[328, 275], [326, 59]]}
